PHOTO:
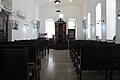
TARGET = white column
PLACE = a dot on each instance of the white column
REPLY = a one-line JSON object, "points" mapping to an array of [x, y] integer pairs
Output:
{"points": [[0, 5], [117, 23], [103, 23], [111, 19]]}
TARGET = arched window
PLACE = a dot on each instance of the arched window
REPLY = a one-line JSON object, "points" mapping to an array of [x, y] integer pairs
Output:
{"points": [[50, 27], [89, 27], [72, 24], [98, 20]]}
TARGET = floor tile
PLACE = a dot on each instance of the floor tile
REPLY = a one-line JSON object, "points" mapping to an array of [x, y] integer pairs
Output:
{"points": [[57, 65]]}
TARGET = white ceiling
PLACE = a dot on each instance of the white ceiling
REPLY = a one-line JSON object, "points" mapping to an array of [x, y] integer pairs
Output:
{"points": [[62, 3]]}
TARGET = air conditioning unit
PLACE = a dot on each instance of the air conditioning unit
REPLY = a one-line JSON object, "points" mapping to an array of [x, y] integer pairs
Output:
{"points": [[7, 4]]}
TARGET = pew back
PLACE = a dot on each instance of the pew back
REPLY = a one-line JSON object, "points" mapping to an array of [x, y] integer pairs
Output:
{"points": [[32, 52], [13, 64]]}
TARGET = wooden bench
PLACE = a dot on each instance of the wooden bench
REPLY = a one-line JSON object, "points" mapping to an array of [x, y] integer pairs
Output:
{"points": [[42, 46], [95, 55], [14, 64], [33, 55]]}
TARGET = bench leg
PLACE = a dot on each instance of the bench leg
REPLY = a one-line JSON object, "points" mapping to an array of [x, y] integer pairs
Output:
{"points": [[42, 54], [111, 72], [45, 51], [106, 75], [48, 50]]}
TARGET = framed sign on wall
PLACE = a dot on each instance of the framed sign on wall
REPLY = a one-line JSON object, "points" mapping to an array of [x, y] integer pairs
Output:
{"points": [[15, 25]]}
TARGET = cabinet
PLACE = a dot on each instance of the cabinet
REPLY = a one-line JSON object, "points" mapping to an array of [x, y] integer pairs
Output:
{"points": [[60, 31], [60, 34], [71, 33]]}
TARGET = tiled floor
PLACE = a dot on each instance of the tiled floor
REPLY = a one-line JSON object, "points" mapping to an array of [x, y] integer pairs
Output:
{"points": [[57, 66]]}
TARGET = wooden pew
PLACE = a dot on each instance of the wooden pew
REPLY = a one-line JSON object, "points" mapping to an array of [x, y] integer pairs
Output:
{"points": [[116, 55], [42, 46], [34, 54], [14, 64], [93, 55], [34, 57], [97, 57]]}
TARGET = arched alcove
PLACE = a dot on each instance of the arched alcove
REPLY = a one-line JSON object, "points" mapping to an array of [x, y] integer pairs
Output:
{"points": [[72, 25]]}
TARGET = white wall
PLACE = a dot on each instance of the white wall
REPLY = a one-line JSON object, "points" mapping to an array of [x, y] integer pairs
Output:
{"points": [[30, 9], [69, 12], [23, 32], [90, 6], [111, 19]]}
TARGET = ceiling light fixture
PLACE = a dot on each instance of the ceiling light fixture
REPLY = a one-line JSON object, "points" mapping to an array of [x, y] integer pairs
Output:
{"points": [[61, 15], [57, 2], [70, 0], [58, 11], [50, 0], [118, 14]]}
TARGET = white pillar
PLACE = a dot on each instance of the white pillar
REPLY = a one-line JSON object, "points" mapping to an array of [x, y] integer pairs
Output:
{"points": [[0, 5], [117, 23], [103, 21]]}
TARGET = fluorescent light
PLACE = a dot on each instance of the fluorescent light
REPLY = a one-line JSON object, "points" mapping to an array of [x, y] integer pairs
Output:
{"points": [[57, 2], [58, 11], [28, 27], [70, 0], [50, 0], [61, 15], [84, 17], [118, 16]]}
